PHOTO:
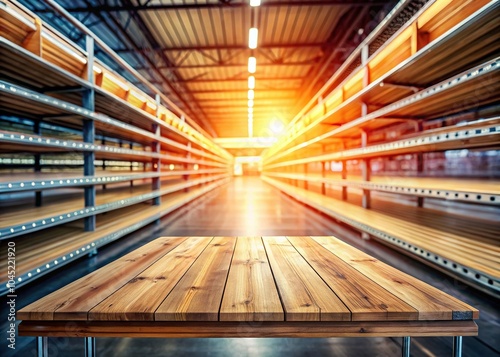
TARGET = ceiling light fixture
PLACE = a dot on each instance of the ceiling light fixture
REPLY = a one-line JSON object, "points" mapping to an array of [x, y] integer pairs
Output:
{"points": [[254, 2], [252, 64], [251, 82], [253, 34]]}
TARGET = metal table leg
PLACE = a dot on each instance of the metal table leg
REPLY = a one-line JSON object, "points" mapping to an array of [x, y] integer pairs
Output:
{"points": [[42, 346], [457, 346], [406, 347], [90, 347]]}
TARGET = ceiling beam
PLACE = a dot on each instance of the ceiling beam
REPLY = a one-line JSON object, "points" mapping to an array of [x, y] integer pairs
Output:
{"points": [[243, 90], [233, 47], [219, 5], [219, 65], [258, 79]]}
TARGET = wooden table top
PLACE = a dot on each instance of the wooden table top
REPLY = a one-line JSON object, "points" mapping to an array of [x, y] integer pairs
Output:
{"points": [[247, 279]]}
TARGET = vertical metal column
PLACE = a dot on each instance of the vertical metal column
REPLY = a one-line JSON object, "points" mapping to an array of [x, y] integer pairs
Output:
{"points": [[405, 351], [420, 162], [344, 176], [131, 147], [90, 347], [156, 183], [88, 102], [38, 167], [365, 172], [103, 142], [323, 174], [306, 183], [42, 346], [457, 346], [186, 167]]}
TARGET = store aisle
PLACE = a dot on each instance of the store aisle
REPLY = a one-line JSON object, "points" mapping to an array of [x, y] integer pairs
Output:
{"points": [[247, 206]]}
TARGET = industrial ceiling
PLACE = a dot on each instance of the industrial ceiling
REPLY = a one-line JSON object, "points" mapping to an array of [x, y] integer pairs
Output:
{"points": [[197, 51]]}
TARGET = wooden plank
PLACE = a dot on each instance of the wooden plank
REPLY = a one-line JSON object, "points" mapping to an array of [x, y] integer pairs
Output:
{"points": [[181, 329], [140, 297], [431, 303], [73, 301], [367, 300], [250, 293], [198, 295], [305, 296]]}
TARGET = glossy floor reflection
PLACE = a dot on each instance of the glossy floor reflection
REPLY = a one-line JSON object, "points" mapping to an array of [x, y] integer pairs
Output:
{"points": [[248, 206]]}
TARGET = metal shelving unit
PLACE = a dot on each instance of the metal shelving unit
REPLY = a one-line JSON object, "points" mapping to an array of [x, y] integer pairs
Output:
{"points": [[70, 107], [431, 88]]}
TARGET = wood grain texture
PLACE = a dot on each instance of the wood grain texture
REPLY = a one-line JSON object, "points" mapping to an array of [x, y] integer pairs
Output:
{"points": [[140, 297], [250, 293], [73, 301], [431, 303], [305, 295], [182, 329], [198, 295], [366, 300]]}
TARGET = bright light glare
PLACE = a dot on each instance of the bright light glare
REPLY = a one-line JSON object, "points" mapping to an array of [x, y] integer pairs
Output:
{"points": [[251, 82], [254, 2], [277, 126], [251, 94], [252, 64], [253, 34], [250, 103], [250, 110]]}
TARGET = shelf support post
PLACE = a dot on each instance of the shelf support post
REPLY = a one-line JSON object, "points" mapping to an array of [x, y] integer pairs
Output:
{"points": [[420, 162], [323, 174], [38, 167], [186, 167], [344, 177], [156, 183], [88, 102], [365, 172], [306, 183]]}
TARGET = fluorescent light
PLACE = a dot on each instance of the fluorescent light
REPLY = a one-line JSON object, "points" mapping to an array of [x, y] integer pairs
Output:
{"points": [[251, 82], [254, 2], [252, 64], [250, 103], [253, 34], [251, 94]]}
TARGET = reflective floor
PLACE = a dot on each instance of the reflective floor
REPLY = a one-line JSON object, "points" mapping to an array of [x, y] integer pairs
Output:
{"points": [[247, 206]]}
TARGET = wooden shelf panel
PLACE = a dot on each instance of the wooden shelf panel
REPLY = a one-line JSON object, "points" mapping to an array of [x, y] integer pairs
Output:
{"points": [[483, 80], [60, 245], [31, 181], [23, 220], [465, 45], [454, 137], [466, 190], [459, 244], [16, 99], [30, 143], [111, 99]]}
